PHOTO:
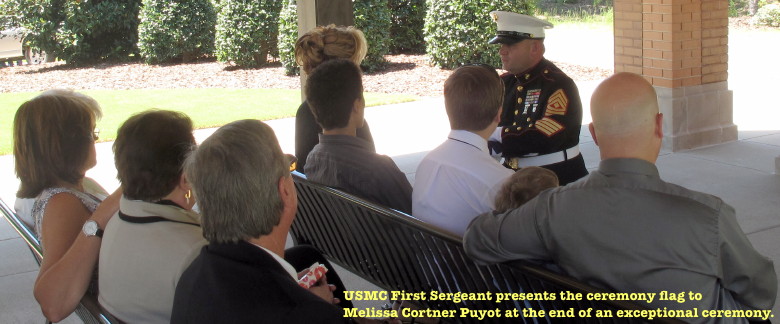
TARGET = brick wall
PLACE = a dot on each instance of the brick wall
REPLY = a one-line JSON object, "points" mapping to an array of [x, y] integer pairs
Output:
{"points": [[673, 43]]}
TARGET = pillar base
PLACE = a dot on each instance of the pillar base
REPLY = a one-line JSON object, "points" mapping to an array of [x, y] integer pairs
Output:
{"points": [[697, 116]]}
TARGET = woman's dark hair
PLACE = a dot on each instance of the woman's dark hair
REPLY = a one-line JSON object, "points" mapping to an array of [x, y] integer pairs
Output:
{"points": [[149, 151]]}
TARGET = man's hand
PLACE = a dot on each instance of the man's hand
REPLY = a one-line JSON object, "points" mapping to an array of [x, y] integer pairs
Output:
{"points": [[324, 290]]}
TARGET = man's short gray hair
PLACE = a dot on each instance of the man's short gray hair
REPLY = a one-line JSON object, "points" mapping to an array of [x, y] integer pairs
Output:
{"points": [[235, 175]]}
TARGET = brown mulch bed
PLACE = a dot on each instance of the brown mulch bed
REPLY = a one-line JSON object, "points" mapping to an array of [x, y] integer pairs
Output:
{"points": [[406, 74]]}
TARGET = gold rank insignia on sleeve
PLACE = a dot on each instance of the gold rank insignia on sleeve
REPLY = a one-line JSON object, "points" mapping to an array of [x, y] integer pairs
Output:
{"points": [[557, 104], [548, 126]]}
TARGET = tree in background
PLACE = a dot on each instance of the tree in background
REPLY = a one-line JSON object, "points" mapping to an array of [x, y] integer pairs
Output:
{"points": [[458, 31], [179, 29], [288, 34], [373, 18], [247, 31], [406, 32], [104, 30]]}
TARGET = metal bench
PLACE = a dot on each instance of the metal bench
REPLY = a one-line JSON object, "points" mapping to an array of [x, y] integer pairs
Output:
{"points": [[89, 309], [398, 252]]}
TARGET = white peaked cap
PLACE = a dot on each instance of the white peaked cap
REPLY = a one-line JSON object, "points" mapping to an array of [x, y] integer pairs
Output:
{"points": [[514, 27]]}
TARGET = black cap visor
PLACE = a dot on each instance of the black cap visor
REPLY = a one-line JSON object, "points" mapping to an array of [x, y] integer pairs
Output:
{"points": [[509, 37]]}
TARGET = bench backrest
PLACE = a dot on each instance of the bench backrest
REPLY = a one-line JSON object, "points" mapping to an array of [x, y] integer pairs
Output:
{"points": [[89, 309], [398, 252]]}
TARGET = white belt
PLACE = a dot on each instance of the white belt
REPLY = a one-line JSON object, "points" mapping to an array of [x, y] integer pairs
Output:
{"points": [[546, 159]]}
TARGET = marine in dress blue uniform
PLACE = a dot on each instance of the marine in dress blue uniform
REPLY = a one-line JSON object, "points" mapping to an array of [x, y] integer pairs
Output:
{"points": [[542, 111]]}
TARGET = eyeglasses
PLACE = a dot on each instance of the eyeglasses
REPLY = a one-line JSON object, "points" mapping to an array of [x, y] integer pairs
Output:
{"points": [[293, 161], [96, 134]]}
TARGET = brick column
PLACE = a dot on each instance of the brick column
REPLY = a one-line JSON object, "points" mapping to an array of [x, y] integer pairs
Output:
{"points": [[681, 47]]}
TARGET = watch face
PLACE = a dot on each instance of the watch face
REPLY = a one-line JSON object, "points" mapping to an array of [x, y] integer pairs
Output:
{"points": [[90, 228]]}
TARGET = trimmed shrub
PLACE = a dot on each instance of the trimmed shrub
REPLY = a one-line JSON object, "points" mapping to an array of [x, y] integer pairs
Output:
{"points": [[458, 31], [373, 18], [288, 34], [768, 15], [406, 32], [179, 29], [81, 31], [99, 31], [247, 31]]}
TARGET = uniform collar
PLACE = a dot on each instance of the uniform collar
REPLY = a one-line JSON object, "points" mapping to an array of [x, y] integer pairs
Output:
{"points": [[535, 71]]}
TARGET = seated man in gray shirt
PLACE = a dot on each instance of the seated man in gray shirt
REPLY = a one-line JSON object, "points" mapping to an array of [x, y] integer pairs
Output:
{"points": [[334, 91], [624, 229]]}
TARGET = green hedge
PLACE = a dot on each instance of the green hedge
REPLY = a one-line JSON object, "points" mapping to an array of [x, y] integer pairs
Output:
{"points": [[458, 31], [179, 29], [408, 20], [99, 31], [247, 31], [80, 31], [288, 34], [373, 18], [768, 15]]}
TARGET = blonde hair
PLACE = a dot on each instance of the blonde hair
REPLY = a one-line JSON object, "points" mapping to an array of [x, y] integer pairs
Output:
{"points": [[53, 135], [330, 42], [524, 185]]}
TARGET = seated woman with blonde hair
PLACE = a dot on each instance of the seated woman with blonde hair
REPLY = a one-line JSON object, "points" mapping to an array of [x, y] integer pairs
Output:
{"points": [[313, 48], [54, 146]]}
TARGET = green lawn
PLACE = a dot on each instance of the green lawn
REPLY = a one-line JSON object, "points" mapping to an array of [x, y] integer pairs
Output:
{"points": [[207, 107]]}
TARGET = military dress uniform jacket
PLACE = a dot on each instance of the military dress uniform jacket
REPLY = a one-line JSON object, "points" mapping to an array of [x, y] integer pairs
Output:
{"points": [[542, 114]]}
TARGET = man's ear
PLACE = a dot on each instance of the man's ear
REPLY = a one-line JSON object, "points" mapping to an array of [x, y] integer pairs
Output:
{"points": [[659, 125], [593, 133], [497, 119], [287, 194]]}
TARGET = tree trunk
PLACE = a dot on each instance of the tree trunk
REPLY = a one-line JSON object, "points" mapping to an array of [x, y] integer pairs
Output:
{"points": [[752, 7]]}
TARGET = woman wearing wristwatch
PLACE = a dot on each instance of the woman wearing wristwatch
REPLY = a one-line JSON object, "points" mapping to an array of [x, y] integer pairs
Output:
{"points": [[54, 146]]}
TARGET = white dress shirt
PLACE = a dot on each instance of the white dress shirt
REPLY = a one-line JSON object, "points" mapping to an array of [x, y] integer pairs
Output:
{"points": [[456, 182], [286, 265]]}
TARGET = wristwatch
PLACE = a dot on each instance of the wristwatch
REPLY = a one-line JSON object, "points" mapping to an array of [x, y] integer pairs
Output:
{"points": [[91, 228]]}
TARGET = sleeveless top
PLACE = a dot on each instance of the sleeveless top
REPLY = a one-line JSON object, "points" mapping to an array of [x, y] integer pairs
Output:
{"points": [[39, 207]]}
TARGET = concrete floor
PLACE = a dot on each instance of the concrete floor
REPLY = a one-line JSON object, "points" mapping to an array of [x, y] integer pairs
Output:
{"points": [[742, 173]]}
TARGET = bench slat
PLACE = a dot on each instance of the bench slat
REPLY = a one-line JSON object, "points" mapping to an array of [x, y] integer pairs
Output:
{"points": [[396, 251]]}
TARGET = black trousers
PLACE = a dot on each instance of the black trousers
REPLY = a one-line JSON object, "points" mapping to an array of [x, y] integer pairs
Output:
{"points": [[570, 170]]}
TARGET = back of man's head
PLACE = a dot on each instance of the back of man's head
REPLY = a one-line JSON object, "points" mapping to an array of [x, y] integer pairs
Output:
{"points": [[625, 115], [331, 91], [473, 96], [235, 175]]}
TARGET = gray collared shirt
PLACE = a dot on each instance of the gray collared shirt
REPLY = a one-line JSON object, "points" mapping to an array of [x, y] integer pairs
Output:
{"points": [[624, 229], [348, 163]]}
